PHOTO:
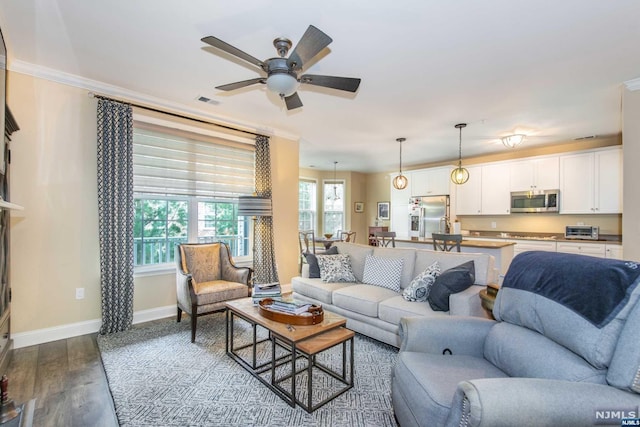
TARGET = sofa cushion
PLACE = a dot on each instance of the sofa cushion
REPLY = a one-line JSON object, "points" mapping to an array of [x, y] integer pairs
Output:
{"points": [[451, 281], [383, 272], [484, 264], [357, 256], [393, 309], [361, 298], [312, 260], [316, 288], [521, 352], [624, 370], [418, 289], [335, 268], [428, 381], [408, 256]]}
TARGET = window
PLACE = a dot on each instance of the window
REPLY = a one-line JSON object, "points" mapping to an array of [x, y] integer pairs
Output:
{"points": [[306, 205], [333, 212], [186, 188]]}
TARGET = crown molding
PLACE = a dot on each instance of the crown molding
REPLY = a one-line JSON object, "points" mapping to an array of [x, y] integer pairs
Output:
{"points": [[125, 95], [633, 84]]}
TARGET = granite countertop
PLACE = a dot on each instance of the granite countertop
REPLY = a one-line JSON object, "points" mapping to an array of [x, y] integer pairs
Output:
{"points": [[495, 244], [556, 237]]}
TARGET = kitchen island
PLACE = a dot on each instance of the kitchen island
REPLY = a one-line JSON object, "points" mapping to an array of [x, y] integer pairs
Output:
{"points": [[501, 251]]}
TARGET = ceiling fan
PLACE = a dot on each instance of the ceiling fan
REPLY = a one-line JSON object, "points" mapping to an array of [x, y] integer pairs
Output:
{"points": [[282, 72]]}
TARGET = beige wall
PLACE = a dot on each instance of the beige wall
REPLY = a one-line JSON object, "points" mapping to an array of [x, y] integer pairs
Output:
{"points": [[631, 160], [54, 241]]}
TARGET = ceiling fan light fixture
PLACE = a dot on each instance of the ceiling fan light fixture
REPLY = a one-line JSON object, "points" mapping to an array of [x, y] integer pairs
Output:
{"points": [[400, 182], [513, 141], [282, 84], [460, 175]]}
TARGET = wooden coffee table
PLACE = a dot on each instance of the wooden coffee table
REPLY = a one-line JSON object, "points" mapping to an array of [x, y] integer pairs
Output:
{"points": [[298, 342]]}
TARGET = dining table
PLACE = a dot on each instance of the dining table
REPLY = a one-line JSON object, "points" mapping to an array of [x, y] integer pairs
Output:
{"points": [[327, 242]]}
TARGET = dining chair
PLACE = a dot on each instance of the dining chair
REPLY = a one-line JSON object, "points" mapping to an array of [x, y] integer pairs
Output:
{"points": [[348, 236], [384, 238], [306, 240], [446, 242]]}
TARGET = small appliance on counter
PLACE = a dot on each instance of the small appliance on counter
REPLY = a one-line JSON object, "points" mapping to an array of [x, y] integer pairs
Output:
{"points": [[585, 232]]}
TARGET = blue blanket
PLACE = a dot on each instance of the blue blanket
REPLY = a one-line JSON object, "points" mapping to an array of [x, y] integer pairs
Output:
{"points": [[595, 288]]}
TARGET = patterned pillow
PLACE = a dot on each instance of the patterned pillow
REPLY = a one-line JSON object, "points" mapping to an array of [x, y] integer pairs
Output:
{"points": [[335, 268], [312, 260], [385, 272], [418, 289]]}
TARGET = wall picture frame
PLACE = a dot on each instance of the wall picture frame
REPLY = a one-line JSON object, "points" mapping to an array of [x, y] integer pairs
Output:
{"points": [[358, 207], [383, 210]]}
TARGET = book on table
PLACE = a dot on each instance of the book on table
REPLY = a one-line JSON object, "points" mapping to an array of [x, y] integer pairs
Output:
{"points": [[266, 290], [288, 307]]}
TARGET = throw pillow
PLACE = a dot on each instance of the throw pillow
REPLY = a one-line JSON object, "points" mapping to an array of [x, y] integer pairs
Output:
{"points": [[312, 260], [418, 289], [451, 281], [335, 268], [385, 272]]}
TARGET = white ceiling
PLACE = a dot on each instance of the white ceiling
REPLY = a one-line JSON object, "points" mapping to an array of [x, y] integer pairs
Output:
{"points": [[551, 69]]}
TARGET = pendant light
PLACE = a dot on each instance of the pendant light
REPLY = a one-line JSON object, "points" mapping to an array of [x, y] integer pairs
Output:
{"points": [[460, 175], [334, 197], [400, 182]]}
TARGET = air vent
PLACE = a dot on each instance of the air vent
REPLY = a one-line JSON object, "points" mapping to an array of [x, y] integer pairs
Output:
{"points": [[585, 137], [207, 100]]}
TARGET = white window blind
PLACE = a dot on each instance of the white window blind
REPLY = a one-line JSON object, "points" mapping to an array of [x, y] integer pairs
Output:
{"points": [[176, 162]]}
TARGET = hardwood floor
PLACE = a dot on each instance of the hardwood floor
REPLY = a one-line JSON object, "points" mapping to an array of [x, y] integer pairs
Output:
{"points": [[67, 380]]}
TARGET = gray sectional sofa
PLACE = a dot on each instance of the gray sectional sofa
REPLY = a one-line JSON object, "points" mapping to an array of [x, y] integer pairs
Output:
{"points": [[376, 311]]}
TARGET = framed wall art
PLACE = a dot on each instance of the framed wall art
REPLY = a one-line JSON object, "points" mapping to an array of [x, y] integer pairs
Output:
{"points": [[358, 207], [383, 210]]}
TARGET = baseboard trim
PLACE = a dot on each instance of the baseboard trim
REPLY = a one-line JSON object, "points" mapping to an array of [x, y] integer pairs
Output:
{"points": [[41, 336]]}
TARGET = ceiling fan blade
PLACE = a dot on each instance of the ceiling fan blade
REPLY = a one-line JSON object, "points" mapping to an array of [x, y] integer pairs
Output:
{"points": [[293, 101], [215, 42], [348, 84], [312, 42], [238, 85]]}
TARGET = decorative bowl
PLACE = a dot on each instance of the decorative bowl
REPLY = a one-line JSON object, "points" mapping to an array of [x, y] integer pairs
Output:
{"points": [[328, 235]]}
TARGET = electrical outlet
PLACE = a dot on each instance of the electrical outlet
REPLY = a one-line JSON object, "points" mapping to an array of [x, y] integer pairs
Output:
{"points": [[493, 224], [79, 293]]}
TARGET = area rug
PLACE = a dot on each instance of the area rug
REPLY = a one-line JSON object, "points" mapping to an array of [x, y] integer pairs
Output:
{"points": [[157, 377]]}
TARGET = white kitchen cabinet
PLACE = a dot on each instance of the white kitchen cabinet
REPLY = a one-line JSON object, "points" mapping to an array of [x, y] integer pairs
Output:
{"points": [[431, 182], [533, 245], [468, 195], [613, 251], [591, 249], [535, 174], [495, 198], [591, 182], [400, 219]]}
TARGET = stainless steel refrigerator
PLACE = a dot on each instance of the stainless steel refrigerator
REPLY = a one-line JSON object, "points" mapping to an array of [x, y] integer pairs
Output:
{"points": [[428, 214]]}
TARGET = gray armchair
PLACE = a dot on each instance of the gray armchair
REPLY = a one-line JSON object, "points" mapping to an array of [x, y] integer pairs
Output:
{"points": [[206, 278], [548, 360]]}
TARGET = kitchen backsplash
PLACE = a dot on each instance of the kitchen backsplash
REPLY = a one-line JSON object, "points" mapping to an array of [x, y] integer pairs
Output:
{"points": [[541, 223]]}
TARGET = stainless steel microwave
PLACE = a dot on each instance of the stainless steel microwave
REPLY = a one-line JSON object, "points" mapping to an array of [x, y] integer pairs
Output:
{"points": [[535, 201]]}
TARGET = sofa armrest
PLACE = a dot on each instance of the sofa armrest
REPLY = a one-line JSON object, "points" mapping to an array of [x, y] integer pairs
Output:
{"points": [[461, 335], [467, 302], [505, 402], [305, 270]]}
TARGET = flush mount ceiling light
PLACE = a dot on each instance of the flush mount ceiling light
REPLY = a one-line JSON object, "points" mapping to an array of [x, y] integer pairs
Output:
{"points": [[512, 141], [400, 182], [460, 175]]}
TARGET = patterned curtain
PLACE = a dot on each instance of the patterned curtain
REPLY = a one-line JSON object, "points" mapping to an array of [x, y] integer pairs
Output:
{"points": [[264, 263], [115, 212]]}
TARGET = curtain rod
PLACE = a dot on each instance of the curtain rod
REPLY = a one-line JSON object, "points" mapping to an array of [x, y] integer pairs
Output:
{"points": [[181, 116]]}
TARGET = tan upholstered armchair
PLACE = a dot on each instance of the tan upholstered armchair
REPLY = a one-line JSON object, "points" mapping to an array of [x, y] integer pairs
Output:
{"points": [[206, 277]]}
